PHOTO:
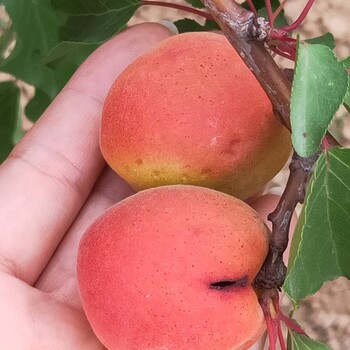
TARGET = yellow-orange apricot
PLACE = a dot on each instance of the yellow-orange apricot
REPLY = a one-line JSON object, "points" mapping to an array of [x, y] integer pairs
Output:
{"points": [[172, 268], [190, 112]]}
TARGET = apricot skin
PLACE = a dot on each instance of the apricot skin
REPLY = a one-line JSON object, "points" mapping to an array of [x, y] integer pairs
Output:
{"points": [[190, 112], [146, 266]]}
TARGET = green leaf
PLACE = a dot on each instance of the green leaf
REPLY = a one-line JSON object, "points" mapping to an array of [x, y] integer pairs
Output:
{"points": [[10, 120], [64, 60], [66, 48], [302, 342], [92, 7], [190, 25], [346, 63], [320, 246], [5, 40], [37, 105], [319, 87], [196, 3], [3, 22], [95, 29], [36, 26], [347, 100], [326, 39], [66, 65], [347, 97]]}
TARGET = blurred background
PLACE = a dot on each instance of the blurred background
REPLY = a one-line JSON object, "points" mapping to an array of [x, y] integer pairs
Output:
{"points": [[326, 315]]}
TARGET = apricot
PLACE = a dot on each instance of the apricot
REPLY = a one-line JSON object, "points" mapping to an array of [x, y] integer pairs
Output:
{"points": [[172, 268], [190, 112]]}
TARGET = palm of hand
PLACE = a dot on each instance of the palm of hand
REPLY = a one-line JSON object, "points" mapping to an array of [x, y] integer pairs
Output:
{"points": [[42, 322], [49, 315]]}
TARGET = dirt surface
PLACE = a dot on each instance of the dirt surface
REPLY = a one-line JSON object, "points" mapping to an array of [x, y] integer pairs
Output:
{"points": [[326, 315]]}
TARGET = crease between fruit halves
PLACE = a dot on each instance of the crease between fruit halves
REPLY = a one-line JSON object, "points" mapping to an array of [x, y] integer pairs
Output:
{"points": [[190, 112], [171, 268]]}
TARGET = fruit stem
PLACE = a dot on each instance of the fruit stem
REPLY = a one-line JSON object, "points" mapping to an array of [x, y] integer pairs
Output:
{"points": [[279, 9], [178, 7], [281, 339], [281, 53], [269, 12], [271, 332], [325, 144], [271, 313], [252, 7], [300, 19], [287, 49], [292, 325], [270, 304]]}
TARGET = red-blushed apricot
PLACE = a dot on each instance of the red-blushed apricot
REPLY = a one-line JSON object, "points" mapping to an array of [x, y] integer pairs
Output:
{"points": [[190, 112], [172, 268]]}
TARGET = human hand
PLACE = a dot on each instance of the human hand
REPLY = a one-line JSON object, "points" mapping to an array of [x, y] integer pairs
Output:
{"points": [[52, 187]]}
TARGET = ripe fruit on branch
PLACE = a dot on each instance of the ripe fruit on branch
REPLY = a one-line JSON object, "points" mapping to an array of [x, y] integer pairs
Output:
{"points": [[172, 268], [190, 112]]}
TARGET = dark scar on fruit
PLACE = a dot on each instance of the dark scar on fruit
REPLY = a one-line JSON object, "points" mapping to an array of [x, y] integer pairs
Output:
{"points": [[226, 285]]}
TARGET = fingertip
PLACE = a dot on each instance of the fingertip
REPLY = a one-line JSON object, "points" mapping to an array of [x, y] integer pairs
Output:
{"points": [[264, 205], [170, 25], [156, 31]]}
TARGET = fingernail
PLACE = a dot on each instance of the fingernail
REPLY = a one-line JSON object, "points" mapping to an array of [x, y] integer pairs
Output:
{"points": [[170, 25]]}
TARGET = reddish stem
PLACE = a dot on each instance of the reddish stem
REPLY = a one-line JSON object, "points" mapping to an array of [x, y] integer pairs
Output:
{"points": [[271, 331], [269, 12], [252, 7], [279, 9], [279, 34], [178, 7], [280, 52], [325, 144], [300, 19], [281, 339], [270, 305], [276, 305], [286, 48], [291, 324]]}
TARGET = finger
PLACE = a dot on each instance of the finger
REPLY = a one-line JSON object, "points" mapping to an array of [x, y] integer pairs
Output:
{"points": [[50, 173], [59, 276], [32, 320], [259, 345]]}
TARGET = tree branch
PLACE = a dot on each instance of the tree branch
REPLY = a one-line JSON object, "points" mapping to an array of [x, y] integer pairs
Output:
{"points": [[247, 34], [241, 28], [273, 272]]}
